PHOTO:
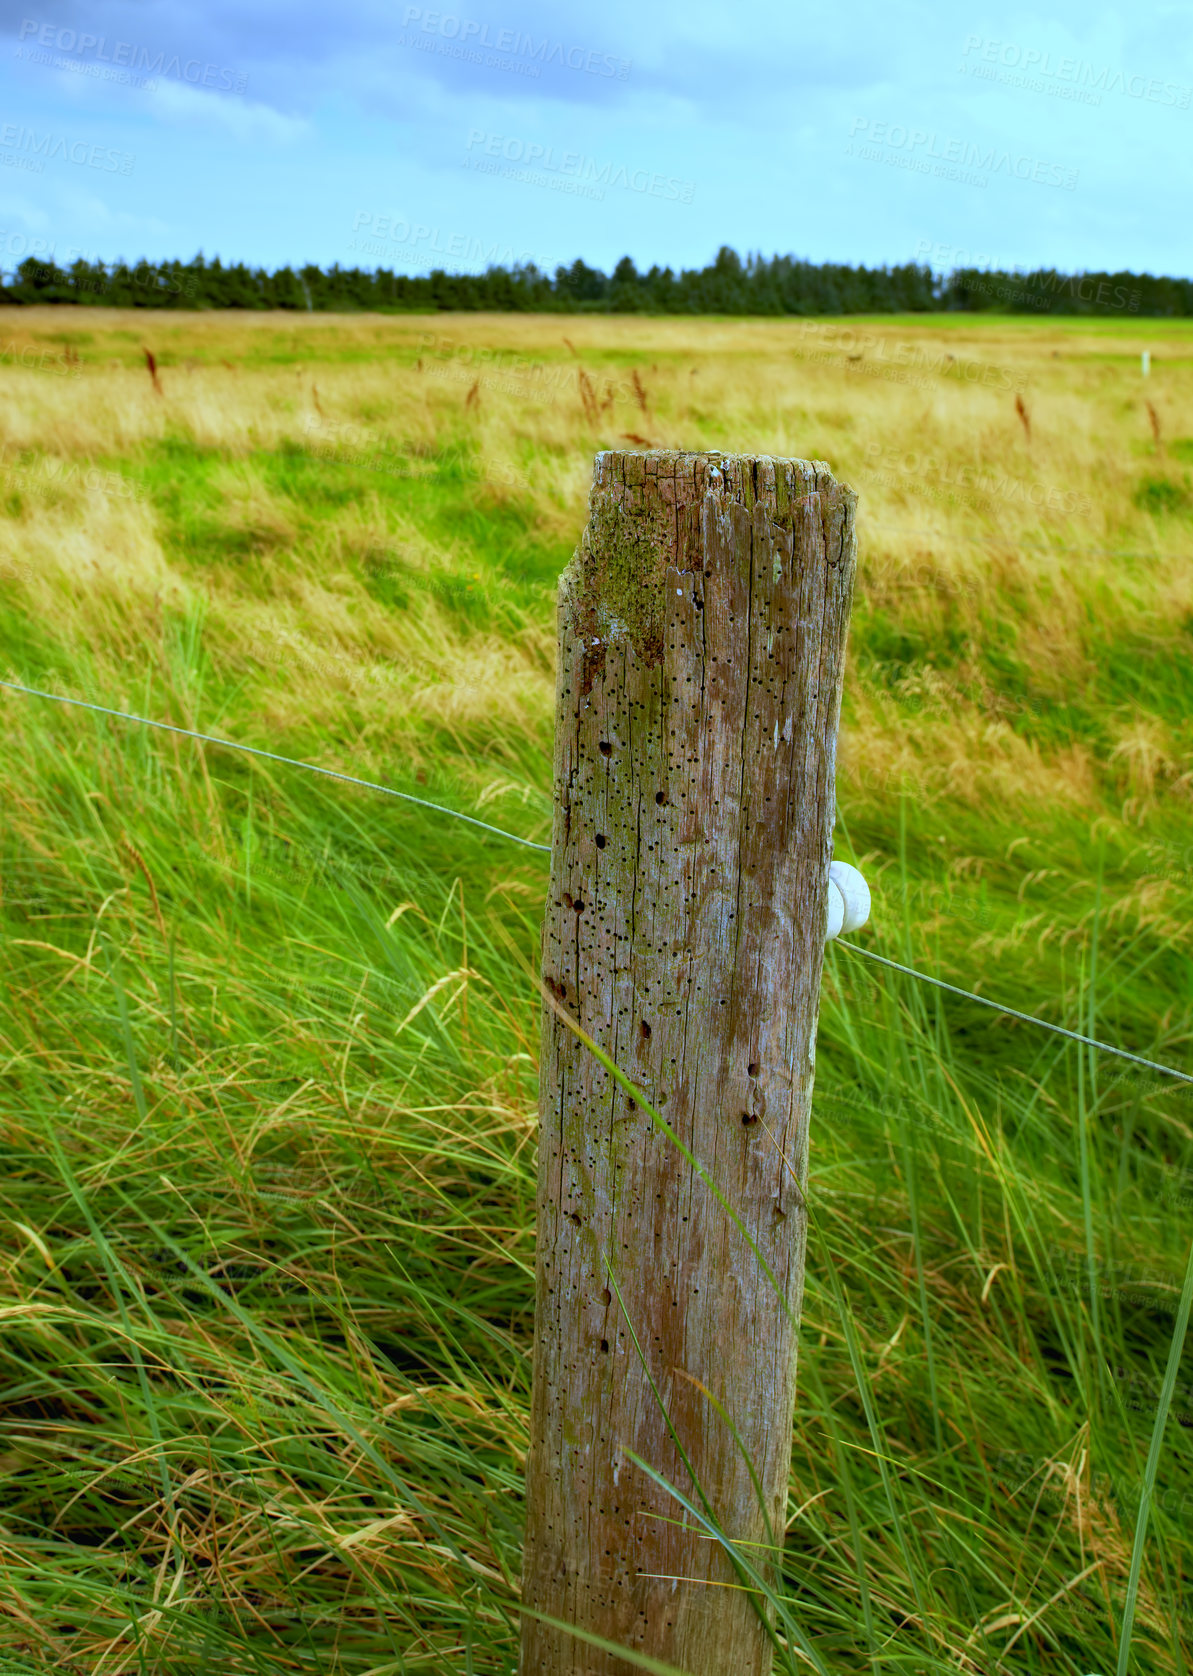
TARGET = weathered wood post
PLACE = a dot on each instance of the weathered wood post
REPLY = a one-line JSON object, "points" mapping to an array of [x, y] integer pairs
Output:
{"points": [[702, 629]]}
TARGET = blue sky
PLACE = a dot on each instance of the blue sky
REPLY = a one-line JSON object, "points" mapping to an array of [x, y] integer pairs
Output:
{"points": [[405, 136]]}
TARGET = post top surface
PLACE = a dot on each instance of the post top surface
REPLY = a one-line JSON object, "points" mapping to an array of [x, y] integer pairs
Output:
{"points": [[681, 476], [713, 454]]}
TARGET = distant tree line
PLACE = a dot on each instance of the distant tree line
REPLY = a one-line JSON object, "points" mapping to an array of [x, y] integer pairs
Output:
{"points": [[778, 285]]}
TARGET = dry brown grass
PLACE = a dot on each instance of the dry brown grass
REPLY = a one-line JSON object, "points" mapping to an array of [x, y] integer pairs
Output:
{"points": [[963, 514]]}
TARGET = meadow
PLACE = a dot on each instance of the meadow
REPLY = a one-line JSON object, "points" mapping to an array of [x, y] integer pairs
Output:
{"points": [[269, 1043]]}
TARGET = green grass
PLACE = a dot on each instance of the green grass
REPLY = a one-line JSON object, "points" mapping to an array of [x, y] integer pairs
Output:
{"points": [[1161, 494], [267, 1113]]}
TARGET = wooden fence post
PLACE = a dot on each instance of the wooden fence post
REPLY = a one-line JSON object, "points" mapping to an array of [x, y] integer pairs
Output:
{"points": [[702, 627]]}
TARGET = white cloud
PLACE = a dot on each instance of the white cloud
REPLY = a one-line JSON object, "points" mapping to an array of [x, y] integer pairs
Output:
{"points": [[17, 209], [243, 119], [97, 215], [71, 223]]}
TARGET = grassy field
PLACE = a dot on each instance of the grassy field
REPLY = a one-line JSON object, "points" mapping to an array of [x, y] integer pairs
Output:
{"points": [[269, 1043]]}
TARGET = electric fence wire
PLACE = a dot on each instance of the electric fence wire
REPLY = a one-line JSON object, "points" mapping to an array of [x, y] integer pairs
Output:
{"points": [[272, 756], [530, 844], [1013, 1012]]}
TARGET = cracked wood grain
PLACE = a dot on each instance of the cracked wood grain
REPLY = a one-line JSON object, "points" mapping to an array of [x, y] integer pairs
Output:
{"points": [[702, 627]]}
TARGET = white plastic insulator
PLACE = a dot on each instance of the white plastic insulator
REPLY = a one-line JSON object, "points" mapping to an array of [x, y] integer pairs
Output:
{"points": [[836, 913], [855, 894]]}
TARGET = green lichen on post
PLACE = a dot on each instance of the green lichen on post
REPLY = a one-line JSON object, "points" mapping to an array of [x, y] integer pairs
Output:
{"points": [[620, 573]]}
